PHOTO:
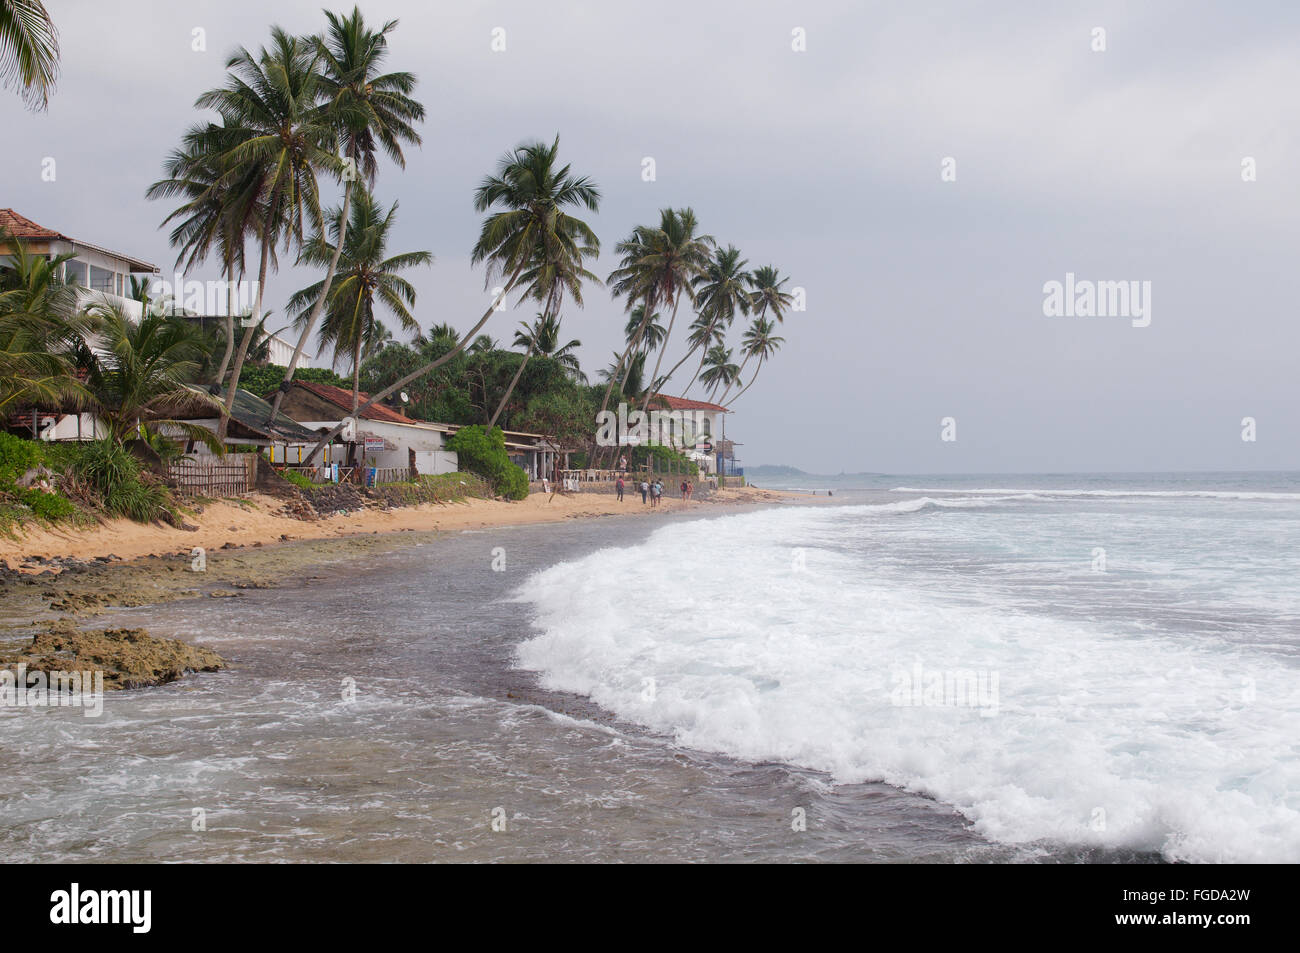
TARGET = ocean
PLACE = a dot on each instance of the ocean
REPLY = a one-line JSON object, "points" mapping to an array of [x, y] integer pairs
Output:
{"points": [[927, 669]]}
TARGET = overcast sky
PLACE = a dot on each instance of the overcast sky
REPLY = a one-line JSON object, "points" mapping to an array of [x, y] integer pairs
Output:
{"points": [[924, 296]]}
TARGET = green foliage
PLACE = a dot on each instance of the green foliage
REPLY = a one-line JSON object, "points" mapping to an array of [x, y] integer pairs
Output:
{"points": [[440, 488], [297, 479], [48, 506], [484, 453], [263, 380], [114, 476], [17, 456], [662, 460]]}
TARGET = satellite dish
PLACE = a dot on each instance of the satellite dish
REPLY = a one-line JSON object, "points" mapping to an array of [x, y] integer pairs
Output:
{"points": [[405, 398]]}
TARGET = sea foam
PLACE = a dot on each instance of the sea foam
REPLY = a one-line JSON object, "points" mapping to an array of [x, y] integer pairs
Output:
{"points": [[777, 636]]}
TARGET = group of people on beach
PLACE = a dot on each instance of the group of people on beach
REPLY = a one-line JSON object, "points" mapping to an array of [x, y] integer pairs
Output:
{"points": [[652, 491]]}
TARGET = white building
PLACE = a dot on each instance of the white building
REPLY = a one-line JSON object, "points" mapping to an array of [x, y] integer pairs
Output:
{"points": [[383, 438], [99, 270]]}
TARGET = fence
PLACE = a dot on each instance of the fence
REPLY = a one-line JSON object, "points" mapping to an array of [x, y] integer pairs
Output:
{"points": [[193, 478]]}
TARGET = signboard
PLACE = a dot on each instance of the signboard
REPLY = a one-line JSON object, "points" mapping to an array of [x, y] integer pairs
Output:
{"points": [[374, 445]]}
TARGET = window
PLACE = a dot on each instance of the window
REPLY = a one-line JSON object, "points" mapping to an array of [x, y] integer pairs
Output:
{"points": [[101, 279]]}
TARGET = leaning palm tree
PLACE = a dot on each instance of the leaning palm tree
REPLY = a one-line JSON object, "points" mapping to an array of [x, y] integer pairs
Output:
{"points": [[29, 51], [366, 276], [765, 296], [659, 265], [524, 241], [274, 130], [651, 331], [759, 342], [719, 371], [371, 111], [722, 293]]}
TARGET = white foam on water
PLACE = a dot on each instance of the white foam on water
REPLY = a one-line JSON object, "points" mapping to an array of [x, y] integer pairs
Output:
{"points": [[1070, 494], [761, 636]]}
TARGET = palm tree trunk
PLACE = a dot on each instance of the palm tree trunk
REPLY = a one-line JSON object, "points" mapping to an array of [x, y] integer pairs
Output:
{"points": [[224, 426], [420, 372], [609, 388], [751, 380], [663, 346], [230, 322], [691, 383], [739, 374], [509, 390], [685, 358], [317, 307]]}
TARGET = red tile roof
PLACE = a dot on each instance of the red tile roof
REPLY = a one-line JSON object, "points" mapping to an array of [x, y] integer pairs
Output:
{"points": [[343, 400], [685, 403], [24, 229], [19, 226]]}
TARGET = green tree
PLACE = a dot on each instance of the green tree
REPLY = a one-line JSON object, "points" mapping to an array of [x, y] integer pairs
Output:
{"points": [[365, 275], [370, 111], [218, 212], [29, 51], [140, 372], [759, 342], [722, 293], [719, 371], [519, 221], [42, 331], [273, 129]]}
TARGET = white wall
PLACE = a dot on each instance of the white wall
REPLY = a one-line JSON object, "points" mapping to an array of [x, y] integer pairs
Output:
{"points": [[429, 462]]}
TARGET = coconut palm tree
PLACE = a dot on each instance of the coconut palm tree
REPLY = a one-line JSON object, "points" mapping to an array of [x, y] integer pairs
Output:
{"points": [[29, 51], [42, 332], [219, 212], [719, 371], [529, 229], [760, 342], [722, 293], [274, 130], [651, 332], [543, 338], [366, 275], [141, 370], [371, 111], [659, 265], [633, 385], [766, 295]]}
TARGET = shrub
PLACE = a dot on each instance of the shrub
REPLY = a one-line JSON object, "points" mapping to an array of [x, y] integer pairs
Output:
{"points": [[297, 479], [48, 506], [484, 453], [115, 476], [17, 456]]}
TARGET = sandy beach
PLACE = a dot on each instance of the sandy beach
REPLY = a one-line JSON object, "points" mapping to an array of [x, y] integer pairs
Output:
{"points": [[259, 519]]}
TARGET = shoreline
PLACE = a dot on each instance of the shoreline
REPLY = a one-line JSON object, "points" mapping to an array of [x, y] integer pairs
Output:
{"points": [[260, 520]]}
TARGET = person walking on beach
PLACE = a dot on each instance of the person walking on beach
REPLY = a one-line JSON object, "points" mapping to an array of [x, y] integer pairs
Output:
{"points": [[619, 488], [645, 488], [683, 489]]}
